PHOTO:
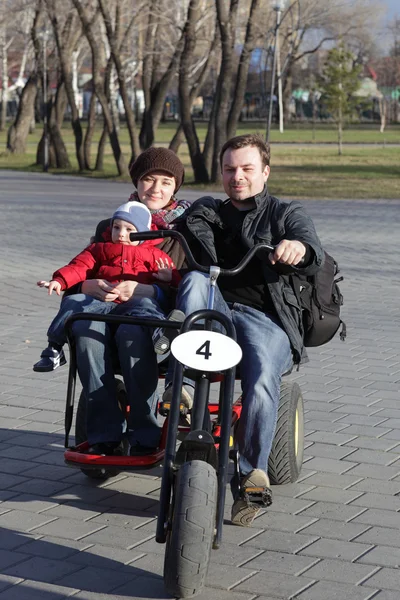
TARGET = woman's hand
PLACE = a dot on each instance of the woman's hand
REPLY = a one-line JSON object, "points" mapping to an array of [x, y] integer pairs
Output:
{"points": [[100, 289], [164, 270], [133, 289]]}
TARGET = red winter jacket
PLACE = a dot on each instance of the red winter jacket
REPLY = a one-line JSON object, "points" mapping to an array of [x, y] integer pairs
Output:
{"points": [[114, 262]]}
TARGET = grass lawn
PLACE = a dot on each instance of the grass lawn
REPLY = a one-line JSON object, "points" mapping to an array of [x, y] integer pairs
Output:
{"points": [[299, 170]]}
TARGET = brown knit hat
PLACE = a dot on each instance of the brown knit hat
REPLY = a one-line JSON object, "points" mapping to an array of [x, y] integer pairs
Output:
{"points": [[157, 159]]}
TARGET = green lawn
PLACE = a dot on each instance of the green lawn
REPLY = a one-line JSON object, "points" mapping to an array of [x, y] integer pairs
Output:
{"points": [[299, 170]]}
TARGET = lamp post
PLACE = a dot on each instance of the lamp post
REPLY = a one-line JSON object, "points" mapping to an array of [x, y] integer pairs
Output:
{"points": [[278, 9], [44, 35]]}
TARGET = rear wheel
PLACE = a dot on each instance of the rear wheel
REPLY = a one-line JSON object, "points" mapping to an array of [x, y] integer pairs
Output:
{"points": [[80, 427], [190, 539], [286, 457]]}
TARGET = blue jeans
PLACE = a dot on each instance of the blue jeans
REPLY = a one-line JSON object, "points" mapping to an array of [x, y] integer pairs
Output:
{"points": [[266, 356], [81, 303], [96, 348]]}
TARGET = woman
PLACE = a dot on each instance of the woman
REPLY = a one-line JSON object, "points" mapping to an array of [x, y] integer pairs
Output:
{"points": [[157, 174]]}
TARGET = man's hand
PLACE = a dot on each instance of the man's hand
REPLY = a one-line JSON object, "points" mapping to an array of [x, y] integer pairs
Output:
{"points": [[288, 252], [100, 289]]}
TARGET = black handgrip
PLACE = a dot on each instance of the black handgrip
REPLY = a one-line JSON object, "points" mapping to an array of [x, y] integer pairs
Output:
{"points": [[170, 233], [192, 263]]}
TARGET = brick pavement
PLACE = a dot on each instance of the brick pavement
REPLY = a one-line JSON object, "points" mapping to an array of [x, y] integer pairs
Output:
{"points": [[334, 535]]}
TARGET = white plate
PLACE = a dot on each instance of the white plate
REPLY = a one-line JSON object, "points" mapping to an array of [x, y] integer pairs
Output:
{"points": [[206, 350]]}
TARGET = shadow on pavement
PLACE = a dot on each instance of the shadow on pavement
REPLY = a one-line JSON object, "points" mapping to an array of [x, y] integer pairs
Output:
{"points": [[59, 528]]}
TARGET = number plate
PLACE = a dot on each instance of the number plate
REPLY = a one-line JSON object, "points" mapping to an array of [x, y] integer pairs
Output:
{"points": [[206, 350]]}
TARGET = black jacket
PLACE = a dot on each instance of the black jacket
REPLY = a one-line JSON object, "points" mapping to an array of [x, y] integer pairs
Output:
{"points": [[270, 222]]}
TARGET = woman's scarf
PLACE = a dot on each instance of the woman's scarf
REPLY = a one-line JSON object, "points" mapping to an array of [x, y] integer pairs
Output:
{"points": [[163, 218]]}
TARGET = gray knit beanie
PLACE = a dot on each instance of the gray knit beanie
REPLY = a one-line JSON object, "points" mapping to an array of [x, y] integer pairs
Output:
{"points": [[134, 212]]}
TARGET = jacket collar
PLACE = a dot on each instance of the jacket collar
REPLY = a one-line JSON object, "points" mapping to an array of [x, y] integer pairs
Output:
{"points": [[261, 199]]}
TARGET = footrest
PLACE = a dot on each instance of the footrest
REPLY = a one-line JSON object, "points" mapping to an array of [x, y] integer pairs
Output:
{"points": [[257, 495]]}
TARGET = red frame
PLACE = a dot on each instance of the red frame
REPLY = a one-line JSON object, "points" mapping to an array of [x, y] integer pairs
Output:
{"points": [[78, 457]]}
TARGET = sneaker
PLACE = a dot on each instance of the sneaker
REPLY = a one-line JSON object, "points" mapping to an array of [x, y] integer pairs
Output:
{"points": [[162, 338], [186, 402], [139, 450], [105, 449], [50, 359], [186, 395], [243, 510]]}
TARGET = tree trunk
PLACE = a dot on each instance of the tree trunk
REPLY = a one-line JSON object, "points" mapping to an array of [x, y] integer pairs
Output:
{"points": [[100, 149], [58, 155], [382, 113], [75, 119], [314, 114], [56, 118], [112, 132], [146, 136], [155, 91], [115, 53], [287, 95], [55, 123], [66, 46], [177, 140], [57, 142], [210, 137], [189, 32], [4, 79], [98, 87], [243, 70], [61, 104], [91, 124], [227, 24], [19, 130]]}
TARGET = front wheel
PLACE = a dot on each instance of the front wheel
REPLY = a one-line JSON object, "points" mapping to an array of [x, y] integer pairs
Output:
{"points": [[286, 457], [190, 538]]}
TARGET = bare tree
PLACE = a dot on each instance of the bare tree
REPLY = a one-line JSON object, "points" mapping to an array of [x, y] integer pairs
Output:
{"points": [[88, 28], [226, 16], [251, 39], [307, 26], [116, 41], [67, 32], [19, 130], [157, 76]]}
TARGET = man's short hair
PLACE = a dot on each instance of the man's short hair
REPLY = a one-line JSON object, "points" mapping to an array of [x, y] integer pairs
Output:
{"points": [[248, 139]]}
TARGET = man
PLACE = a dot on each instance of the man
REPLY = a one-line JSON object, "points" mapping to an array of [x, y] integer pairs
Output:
{"points": [[259, 301]]}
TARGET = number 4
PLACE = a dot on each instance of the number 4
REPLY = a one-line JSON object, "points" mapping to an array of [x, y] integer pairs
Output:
{"points": [[204, 350]]}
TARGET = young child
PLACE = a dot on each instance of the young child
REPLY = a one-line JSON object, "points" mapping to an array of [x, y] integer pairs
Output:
{"points": [[115, 261]]}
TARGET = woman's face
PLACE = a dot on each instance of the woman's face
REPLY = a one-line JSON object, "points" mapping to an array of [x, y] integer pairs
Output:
{"points": [[156, 189]]}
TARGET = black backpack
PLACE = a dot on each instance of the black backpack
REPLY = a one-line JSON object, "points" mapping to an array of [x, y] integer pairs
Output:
{"points": [[320, 300]]}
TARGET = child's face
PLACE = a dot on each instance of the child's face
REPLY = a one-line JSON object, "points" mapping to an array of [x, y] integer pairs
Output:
{"points": [[120, 232]]}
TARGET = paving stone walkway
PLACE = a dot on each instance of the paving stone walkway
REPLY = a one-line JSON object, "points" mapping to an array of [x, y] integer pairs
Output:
{"points": [[334, 535]]}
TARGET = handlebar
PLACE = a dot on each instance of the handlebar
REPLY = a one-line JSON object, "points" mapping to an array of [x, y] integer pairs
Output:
{"points": [[192, 263]]}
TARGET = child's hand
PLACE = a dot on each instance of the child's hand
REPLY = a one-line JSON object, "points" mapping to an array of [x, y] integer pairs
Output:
{"points": [[164, 270], [56, 286]]}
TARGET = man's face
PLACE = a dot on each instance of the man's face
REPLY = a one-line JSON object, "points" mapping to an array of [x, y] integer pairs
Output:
{"points": [[243, 174]]}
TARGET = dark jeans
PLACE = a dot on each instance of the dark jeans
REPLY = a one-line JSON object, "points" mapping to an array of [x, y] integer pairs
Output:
{"points": [[95, 346]]}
